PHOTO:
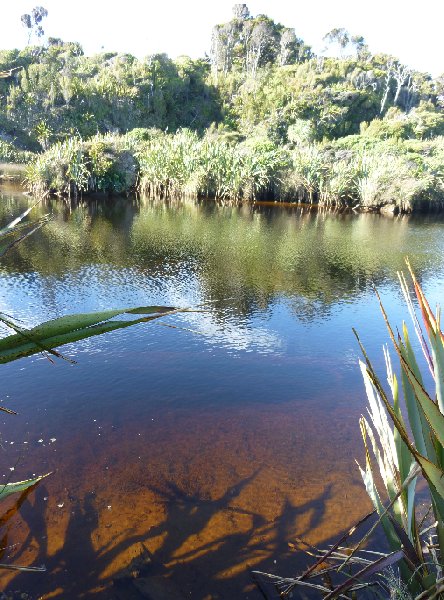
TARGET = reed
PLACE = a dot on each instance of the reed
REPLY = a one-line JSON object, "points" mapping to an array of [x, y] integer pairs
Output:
{"points": [[407, 175], [9, 153], [74, 167]]}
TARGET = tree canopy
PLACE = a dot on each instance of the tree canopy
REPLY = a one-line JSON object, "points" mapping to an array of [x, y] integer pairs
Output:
{"points": [[259, 79]]}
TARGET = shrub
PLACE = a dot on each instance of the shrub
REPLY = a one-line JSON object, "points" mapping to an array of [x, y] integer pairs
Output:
{"points": [[11, 154], [72, 167]]}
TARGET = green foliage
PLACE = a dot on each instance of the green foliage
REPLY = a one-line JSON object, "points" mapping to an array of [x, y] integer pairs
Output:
{"points": [[103, 163], [398, 452], [9, 153], [250, 118], [301, 132], [70, 93], [20, 486], [186, 165], [65, 330], [42, 133], [351, 171], [259, 73], [247, 43], [422, 122]]}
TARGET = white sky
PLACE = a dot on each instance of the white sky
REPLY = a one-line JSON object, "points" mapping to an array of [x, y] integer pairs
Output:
{"points": [[412, 31]]}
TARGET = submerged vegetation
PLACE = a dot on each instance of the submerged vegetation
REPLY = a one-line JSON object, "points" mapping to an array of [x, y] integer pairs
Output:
{"points": [[262, 117]]}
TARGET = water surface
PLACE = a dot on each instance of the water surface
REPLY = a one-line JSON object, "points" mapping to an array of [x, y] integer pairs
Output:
{"points": [[213, 444]]}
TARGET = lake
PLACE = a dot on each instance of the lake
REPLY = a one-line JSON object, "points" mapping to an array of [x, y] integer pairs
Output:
{"points": [[215, 443]]}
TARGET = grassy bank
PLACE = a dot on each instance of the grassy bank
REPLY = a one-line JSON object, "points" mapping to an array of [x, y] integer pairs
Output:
{"points": [[357, 171], [9, 153], [102, 164]]}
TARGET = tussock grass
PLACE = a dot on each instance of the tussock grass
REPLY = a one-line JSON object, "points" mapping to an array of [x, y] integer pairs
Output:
{"points": [[185, 165], [407, 174], [9, 153], [101, 164]]}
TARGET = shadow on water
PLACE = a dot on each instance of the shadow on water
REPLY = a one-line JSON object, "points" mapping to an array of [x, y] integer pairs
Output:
{"points": [[218, 568], [191, 512]]}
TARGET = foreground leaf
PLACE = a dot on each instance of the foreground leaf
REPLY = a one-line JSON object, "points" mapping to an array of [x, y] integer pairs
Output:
{"points": [[71, 328], [19, 486]]}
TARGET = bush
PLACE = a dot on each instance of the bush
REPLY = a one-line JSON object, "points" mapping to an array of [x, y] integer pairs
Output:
{"points": [[357, 170], [101, 164], [11, 154]]}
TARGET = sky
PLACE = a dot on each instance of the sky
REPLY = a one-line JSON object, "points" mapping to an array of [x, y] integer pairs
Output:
{"points": [[412, 31]]}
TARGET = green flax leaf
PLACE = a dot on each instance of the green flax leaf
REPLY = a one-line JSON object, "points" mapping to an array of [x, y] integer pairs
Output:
{"points": [[19, 486], [72, 328]]}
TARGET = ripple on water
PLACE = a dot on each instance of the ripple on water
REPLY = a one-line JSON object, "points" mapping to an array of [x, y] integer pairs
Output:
{"points": [[216, 445]]}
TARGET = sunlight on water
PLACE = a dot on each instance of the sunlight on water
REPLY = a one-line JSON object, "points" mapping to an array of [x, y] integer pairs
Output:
{"points": [[214, 443]]}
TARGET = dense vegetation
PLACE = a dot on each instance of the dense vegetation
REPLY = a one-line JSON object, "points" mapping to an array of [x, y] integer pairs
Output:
{"points": [[261, 117]]}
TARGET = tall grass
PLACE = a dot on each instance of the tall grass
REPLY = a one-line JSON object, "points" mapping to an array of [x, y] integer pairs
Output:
{"points": [[369, 178], [73, 167], [162, 165], [184, 165], [392, 179], [406, 175], [9, 153]]}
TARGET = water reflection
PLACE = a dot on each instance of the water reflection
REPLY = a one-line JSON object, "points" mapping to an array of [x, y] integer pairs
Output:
{"points": [[212, 449], [241, 259]]}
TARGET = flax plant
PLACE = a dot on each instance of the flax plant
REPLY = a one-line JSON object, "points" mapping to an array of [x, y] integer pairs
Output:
{"points": [[336, 184], [403, 438], [397, 451], [309, 167], [61, 169], [185, 165], [74, 167]]}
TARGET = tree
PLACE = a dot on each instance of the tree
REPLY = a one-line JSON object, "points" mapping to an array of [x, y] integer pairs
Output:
{"points": [[27, 23], [287, 46], [438, 86], [291, 48], [240, 11], [404, 81], [223, 41], [339, 36], [33, 21], [248, 43], [403, 76], [387, 81], [261, 44], [353, 44], [360, 46]]}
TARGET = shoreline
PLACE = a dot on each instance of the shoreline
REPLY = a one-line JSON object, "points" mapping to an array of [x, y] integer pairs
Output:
{"points": [[14, 172]]}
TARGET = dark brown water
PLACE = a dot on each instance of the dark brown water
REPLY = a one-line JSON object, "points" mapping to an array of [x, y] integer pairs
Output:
{"points": [[212, 448]]}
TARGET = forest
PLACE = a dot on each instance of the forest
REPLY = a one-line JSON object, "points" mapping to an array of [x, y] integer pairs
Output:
{"points": [[260, 117]]}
